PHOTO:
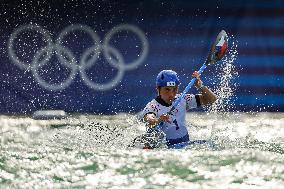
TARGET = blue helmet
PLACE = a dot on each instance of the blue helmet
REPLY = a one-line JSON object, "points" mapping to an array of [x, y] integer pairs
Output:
{"points": [[167, 78]]}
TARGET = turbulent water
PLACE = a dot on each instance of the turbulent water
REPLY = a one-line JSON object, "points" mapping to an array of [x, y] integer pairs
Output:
{"points": [[89, 151]]}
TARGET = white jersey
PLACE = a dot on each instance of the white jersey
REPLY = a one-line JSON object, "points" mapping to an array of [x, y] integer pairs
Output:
{"points": [[177, 126]]}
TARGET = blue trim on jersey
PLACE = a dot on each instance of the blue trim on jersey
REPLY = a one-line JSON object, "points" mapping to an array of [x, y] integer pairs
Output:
{"points": [[179, 145], [173, 142], [182, 145]]}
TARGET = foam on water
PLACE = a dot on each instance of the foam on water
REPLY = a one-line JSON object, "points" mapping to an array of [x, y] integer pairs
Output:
{"points": [[91, 151]]}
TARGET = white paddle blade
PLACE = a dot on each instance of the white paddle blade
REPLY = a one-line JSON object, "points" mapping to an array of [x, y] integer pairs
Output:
{"points": [[218, 49]]}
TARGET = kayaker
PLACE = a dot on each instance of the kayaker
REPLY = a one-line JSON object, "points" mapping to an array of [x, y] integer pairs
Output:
{"points": [[174, 125]]}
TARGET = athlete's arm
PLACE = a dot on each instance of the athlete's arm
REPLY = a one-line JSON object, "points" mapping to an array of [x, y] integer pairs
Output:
{"points": [[207, 96]]}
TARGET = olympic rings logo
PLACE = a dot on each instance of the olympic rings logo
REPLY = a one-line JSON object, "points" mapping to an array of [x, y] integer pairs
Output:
{"points": [[67, 58]]}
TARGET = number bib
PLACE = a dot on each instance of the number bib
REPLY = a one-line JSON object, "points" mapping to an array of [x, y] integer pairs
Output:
{"points": [[176, 128]]}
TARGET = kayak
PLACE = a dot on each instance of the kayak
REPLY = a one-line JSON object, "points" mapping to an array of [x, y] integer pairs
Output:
{"points": [[154, 140]]}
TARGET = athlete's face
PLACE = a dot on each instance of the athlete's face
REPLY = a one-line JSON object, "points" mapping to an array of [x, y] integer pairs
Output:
{"points": [[168, 93]]}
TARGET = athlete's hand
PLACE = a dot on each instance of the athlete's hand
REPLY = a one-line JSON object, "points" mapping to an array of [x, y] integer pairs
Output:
{"points": [[153, 120], [198, 82], [164, 118]]}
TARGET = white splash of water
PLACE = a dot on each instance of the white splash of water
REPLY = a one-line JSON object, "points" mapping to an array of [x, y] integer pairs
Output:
{"points": [[225, 88]]}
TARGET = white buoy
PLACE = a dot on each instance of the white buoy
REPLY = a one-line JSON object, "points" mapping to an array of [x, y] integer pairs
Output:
{"points": [[49, 114]]}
